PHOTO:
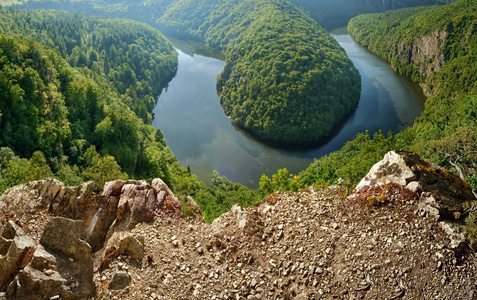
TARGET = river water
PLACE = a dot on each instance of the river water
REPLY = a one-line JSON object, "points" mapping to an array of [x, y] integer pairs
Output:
{"points": [[202, 137]]}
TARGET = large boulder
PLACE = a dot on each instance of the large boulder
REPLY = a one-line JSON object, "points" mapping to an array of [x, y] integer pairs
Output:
{"points": [[120, 281], [77, 203], [122, 243], [167, 203], [62, 266], [440, 192], [16, 251], [126, 243], [192, 210], [140, 202], [101, 222], [29, 198]]}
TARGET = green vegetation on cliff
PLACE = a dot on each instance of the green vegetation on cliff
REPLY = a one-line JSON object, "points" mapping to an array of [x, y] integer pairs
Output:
{"points": [[436, 46]]}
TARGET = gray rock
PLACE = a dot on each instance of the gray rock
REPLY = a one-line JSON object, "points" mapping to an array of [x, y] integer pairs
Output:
{"points": [[64, 238], [18, 253], [140, 202], [77, 203], [443, 193], [125, 243], [33, 284], [193, 210], [30, 198], [43, 259], [120, 281]]}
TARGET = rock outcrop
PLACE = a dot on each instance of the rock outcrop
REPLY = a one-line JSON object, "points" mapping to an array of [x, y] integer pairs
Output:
{"points": [[308, 245], [71, 224], [139, 202], [16, 251], [29, 198], [61, 266], [440, 193], [192, 210], [123, 204], [426, 52]]}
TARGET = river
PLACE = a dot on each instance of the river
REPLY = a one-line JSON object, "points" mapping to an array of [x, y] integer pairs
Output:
{"points": [[202, 137]]}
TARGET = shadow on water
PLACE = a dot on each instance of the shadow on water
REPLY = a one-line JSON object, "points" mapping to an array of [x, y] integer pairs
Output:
{"points": [[202, 137], [192, 48]]}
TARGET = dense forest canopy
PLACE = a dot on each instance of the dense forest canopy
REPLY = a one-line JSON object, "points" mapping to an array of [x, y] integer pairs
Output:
{"points": [[48, 105], [337, 13], [76, 95], [284, 74], [136, 59]]}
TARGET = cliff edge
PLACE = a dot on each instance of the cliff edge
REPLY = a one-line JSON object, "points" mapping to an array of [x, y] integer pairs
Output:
{"points": [[392, 238]]}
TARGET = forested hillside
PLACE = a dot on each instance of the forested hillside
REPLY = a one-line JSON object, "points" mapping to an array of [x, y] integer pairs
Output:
{"points": [[284, 74], [337, 13], [82, 111], [436, 46], [136, 59], [70, 115]]}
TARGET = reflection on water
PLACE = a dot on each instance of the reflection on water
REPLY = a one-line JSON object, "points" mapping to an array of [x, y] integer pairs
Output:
{"points": [[202, 137]]}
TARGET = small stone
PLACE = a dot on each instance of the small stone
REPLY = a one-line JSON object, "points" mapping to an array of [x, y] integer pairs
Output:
{"points": [[48, 272], [120, 281]]}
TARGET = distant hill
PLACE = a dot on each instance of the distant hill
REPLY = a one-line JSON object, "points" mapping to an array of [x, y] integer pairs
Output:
{"points": [[337, 13]]}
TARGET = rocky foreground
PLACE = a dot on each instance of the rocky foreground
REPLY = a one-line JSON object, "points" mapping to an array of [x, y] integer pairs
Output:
{"points": [[398, 236]]}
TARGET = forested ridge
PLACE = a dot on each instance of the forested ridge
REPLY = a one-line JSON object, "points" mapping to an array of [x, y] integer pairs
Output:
{"points": [[337, 13], [136, 59], [75, 103], [284, 74]]}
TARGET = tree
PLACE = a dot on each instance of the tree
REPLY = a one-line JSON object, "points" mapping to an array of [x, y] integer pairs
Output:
{"points": [[459, 149], [37, 167], [103, 169]]}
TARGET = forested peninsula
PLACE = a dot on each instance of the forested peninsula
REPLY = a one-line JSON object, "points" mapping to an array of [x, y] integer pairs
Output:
{"points": [[286, 79]]}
